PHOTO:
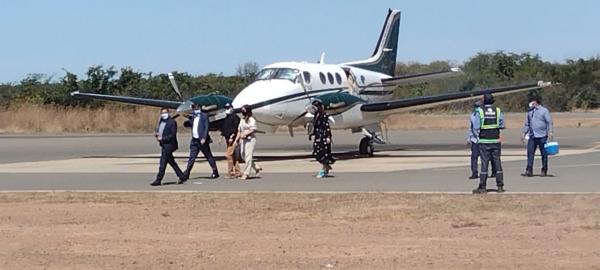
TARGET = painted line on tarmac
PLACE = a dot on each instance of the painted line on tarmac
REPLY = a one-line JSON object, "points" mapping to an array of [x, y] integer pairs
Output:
{"points": [[309, 192]]}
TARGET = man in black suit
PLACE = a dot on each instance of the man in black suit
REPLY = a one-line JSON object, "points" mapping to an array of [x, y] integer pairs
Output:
{"points": [[166, 135], [200, 142]]}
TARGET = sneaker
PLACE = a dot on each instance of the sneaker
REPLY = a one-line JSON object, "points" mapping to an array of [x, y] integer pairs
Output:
{"points": [[257, 171], [544, 173], [321, 174]]}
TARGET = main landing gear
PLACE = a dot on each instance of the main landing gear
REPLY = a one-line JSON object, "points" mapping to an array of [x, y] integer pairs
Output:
{"points": [[366, 147]]}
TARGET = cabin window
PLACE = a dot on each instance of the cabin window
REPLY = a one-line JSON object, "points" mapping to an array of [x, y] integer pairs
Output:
{"points": [[322, 77], [330, 77], [306, 77], [338, 78]]}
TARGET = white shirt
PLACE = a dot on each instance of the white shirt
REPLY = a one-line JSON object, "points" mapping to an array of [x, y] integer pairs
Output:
{"points": [[195, 127], [251, 125]]}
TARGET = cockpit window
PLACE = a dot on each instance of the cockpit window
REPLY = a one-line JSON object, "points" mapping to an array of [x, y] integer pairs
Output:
{"points": [[265, 74], [278, 73]]}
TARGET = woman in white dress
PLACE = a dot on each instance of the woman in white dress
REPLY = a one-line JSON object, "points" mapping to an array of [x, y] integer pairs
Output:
{"points": [[247, 139]]}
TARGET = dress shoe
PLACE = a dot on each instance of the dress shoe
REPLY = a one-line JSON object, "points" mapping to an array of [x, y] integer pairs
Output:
{"points": [[544, 173], [479, 190], [527, 174], [181, 181], [474, 176], [155, 183], [501, 189], [215, 175]]}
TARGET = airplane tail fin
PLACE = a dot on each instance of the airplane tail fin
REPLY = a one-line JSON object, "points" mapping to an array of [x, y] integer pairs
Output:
{"points": [[384, 57]]}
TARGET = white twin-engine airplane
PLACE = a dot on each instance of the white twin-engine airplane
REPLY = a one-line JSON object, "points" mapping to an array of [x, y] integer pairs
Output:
{"points": [[358, 95]]}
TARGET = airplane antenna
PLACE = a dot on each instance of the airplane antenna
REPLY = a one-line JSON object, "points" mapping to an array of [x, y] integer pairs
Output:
{"points": [[174, 84], [322, 59]]}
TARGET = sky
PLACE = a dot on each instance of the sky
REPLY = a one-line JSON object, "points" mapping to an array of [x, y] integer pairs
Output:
{"points": [[201, 37]]}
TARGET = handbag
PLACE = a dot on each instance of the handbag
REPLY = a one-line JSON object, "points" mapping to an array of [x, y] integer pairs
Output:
{"points": [[237, 154]]}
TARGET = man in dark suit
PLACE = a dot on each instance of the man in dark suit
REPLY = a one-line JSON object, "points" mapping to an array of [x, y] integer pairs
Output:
{"points": [[200, 142], [166, 135]]}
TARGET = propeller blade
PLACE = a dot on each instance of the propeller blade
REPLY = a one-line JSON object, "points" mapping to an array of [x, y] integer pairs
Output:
{"points": [[174, 84]]}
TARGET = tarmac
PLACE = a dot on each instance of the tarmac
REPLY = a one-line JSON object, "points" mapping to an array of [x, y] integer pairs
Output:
{"points": [[412, 161]]}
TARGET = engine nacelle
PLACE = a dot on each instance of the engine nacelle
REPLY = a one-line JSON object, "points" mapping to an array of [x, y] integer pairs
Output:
{"points": [[339, 102]]}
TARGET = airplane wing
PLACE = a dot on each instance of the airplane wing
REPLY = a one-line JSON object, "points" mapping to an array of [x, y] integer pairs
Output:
{"points": [[130, 100], [416, 103], [421, 77]]}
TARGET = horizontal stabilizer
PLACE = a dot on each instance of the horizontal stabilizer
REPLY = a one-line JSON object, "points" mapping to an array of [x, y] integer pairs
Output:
{"points": [[421, 77]]}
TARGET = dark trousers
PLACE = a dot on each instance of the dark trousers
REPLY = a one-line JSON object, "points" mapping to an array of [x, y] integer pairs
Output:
{"points": [[195, 148], [532, 144], [490, 152], [475, 157], [166, 157]]}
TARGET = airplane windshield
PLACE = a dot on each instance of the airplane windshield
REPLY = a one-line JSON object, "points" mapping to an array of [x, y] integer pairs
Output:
{"points": [[278, 73]]}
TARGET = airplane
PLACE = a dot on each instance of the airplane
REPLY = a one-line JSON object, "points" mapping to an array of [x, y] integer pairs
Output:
{"points": [[357, 95]]}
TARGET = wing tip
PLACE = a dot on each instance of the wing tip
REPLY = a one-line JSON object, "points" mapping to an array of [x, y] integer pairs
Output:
{"points": [[74, 93], [543, 84]]}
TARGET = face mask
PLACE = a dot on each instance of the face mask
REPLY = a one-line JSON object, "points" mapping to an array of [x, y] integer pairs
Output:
{"points": [[197, 111], [229, 111], [531, 105], [164, 115]]}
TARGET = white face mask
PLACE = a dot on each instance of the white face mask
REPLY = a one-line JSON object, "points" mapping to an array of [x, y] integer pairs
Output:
{"points": [[531, 105], [229, 111], [164, 115], [197, 111]]}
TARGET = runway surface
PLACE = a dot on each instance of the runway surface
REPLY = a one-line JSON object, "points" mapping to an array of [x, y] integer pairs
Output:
{"points": [[414, 160]]}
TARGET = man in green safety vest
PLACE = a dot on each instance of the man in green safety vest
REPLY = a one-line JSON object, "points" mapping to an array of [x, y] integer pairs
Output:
{"points": [[487, 130]]}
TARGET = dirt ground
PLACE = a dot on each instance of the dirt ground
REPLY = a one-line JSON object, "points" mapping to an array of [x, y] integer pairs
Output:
{"points": [[298, 231]]}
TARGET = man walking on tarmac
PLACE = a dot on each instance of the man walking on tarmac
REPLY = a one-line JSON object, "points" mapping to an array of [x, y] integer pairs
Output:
{"points": [[487, 129]]}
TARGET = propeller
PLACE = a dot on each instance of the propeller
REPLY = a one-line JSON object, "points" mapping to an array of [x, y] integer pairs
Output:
{"points": [[293, 123], [174, 84], [186, 106]]}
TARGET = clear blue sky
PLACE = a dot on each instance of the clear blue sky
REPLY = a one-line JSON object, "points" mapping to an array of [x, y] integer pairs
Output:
{"points": [[215, 36]]}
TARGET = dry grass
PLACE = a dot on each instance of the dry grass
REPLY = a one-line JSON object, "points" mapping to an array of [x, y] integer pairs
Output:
{"points": [[27, 118], [297, 231], [114, 118], [461, 121]]}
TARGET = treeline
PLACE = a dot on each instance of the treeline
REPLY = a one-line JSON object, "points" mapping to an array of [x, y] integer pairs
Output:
{"points": [[580, 88]]}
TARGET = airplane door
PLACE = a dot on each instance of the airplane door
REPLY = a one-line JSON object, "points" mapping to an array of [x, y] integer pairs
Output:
{"points": [[352, 84]]}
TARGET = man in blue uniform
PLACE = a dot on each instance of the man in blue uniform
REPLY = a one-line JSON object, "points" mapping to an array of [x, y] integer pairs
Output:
{"points": [[472, 139], [538, 128], [487, 128]]}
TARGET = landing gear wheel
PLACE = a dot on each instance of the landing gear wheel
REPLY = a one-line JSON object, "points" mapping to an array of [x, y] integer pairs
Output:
{"points": [[365, 148]]}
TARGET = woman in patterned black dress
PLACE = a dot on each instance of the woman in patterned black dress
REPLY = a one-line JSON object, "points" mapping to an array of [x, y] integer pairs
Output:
{"points": [[322, 139]]}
